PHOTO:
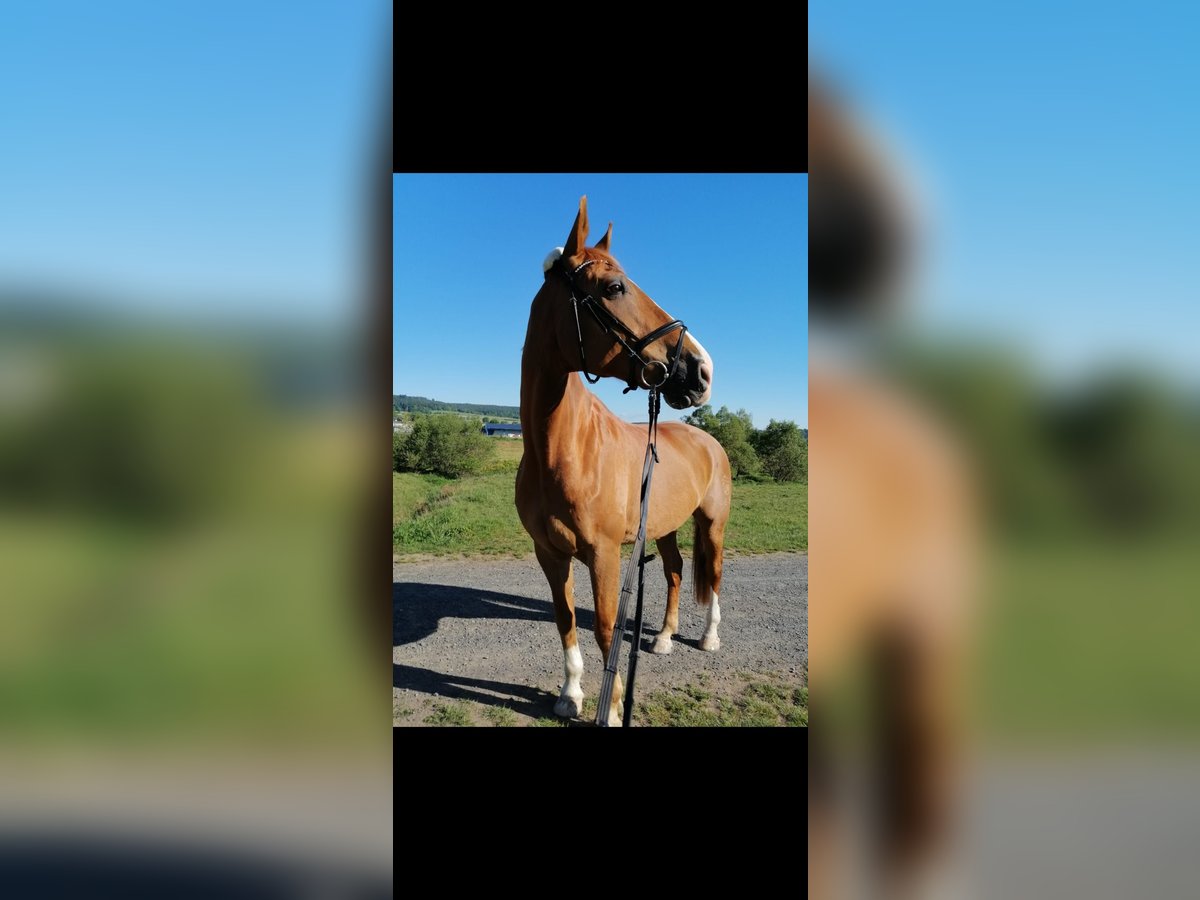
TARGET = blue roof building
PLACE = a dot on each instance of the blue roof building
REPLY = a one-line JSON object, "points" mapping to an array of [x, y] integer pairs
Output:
{"points": [[505, 430]]}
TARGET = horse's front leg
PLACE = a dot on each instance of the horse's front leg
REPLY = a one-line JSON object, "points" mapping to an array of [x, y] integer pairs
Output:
{"points": [[558, 572], [605, 567]]}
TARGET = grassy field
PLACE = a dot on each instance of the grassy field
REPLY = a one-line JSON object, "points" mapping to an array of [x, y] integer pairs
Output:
{"points": [[1092, 639], [121, 633], [761, 702], [477, 515], [752, 701]]}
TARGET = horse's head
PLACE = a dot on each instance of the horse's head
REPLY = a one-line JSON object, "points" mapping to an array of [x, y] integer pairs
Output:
{"points": [[624, 334]]}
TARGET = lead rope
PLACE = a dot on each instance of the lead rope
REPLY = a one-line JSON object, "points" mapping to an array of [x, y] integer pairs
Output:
{"points": [[637, 562]]}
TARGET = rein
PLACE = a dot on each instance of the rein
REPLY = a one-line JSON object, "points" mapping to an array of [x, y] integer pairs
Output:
{"points": [[639, 545]]}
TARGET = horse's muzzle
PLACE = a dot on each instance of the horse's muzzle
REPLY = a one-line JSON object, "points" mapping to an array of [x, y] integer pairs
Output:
{"points": [[691, 385]]}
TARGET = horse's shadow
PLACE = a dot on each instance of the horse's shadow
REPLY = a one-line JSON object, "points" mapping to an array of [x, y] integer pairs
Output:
{"points": [[417, 609]]}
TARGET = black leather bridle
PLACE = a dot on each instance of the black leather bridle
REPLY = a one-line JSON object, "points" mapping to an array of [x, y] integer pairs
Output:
{"points": [[612, 325]]}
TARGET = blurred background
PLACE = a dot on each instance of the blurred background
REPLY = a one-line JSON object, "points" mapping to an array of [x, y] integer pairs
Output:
{"points": [[189, 242], [1029, 283]]}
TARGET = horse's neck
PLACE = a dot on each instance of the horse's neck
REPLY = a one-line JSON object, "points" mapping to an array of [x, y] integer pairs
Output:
{"points": [[558, 412], [555, 410]]}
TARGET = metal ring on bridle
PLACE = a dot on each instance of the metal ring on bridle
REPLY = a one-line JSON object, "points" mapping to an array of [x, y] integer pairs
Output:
{"points": [[646, 382]]}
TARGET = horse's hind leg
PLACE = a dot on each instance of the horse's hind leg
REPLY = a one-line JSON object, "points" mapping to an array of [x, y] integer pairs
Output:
{"points": [[706, 574], [558, 572], [672, 562]]}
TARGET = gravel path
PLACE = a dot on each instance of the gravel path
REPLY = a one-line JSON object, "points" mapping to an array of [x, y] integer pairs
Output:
{"points": [[483, 631]]}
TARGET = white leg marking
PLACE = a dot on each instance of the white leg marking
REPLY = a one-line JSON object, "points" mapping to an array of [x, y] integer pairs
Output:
{"points": [[570, 700], [662, 643], [710, 641], [616, 709]]}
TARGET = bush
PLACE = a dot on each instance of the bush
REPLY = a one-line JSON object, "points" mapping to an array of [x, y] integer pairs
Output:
{"points": [[778, 452], [789, 462], [732, 431], [442, 444], [743, 461], [398, 441], [783, 451]]}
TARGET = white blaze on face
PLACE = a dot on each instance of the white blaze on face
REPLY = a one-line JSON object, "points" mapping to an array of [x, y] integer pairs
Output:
{"points": [[706, 366]]}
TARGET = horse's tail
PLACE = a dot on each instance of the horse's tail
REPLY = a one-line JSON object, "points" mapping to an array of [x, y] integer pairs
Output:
{"points": [[702, 562]]}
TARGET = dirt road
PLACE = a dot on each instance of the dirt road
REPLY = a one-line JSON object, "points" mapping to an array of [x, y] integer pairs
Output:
{"points": [[483, 631]]}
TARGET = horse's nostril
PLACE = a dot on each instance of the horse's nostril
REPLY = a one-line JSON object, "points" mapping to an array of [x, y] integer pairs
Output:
{"points": [[705, 375]]}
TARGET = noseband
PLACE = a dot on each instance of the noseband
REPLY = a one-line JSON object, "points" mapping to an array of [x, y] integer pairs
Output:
{"points": [[612, 325]]}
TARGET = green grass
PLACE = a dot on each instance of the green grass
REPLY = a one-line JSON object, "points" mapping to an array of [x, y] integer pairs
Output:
{"points": [[760, 703], [474, 515], [1091, 640], [500, 716], [507, 456], [410, 492], [449, 714], [767, 518], [120, 632], [477, 515]]}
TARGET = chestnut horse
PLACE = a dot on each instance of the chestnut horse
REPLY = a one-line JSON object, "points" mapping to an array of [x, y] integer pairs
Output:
{"points": [[578, 485]]}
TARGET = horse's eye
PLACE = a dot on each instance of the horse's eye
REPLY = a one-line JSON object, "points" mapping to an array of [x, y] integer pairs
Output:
{"points": [[617, 287]]}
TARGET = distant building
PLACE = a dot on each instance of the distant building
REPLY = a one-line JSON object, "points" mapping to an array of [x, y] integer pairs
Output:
{"points": [[502, 430]]}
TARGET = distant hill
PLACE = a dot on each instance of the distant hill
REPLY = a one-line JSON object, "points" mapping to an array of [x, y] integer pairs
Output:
{"points": [[405, 403]]}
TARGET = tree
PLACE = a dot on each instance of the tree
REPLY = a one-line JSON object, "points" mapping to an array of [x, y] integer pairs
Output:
{"points": [[732, 431], [398, 441], [783, 451]]}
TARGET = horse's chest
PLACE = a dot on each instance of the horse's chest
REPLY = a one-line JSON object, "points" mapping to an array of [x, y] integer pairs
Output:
{"points": [[571, 515]]}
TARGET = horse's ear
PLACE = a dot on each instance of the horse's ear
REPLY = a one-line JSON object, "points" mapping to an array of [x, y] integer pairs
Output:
{"points": [[602, 244], [579, 231]]}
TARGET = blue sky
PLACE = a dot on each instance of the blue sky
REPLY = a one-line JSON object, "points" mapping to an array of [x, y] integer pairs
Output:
{"points": [[1056, 145], [727, 254], [198, 157]]}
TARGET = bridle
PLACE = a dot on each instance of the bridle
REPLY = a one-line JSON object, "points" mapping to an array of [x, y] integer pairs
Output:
{"points": [[612, 325]]}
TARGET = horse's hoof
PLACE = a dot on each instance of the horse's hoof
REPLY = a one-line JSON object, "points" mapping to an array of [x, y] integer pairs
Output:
{"points": [[568, 707], [710, 643], [614, 718], [662, 644]]}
